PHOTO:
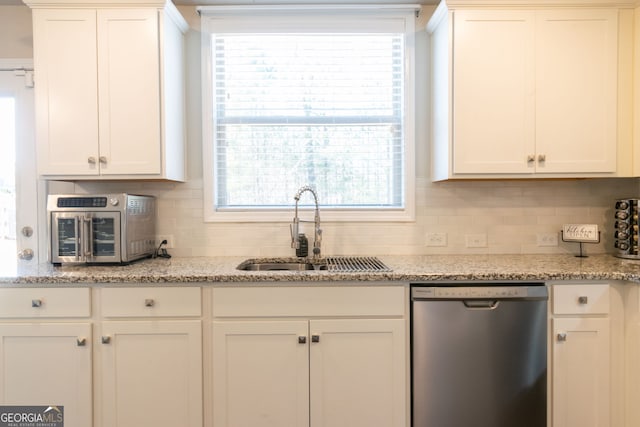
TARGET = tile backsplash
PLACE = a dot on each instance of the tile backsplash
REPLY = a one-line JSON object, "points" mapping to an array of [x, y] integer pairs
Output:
{"points": [[513, 215]]}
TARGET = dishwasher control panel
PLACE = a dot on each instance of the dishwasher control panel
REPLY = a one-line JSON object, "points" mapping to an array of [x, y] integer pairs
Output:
{"points": [[478, 292]]}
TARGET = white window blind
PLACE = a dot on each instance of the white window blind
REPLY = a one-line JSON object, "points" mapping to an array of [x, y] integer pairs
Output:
{"points": [[322, 104]]}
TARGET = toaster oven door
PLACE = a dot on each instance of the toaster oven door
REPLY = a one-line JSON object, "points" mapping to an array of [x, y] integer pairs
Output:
{"points": [[85, 237]]}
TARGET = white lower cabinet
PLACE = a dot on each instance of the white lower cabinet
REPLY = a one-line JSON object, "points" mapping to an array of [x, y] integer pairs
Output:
{"points": [[309, 371], [357, 372], [48, 364], [151, 364], [151, 373], [45, 351], [581, 356]]}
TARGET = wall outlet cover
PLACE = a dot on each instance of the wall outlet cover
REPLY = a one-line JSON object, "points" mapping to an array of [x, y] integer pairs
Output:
{"points": [[476, 240], [436, 239]]}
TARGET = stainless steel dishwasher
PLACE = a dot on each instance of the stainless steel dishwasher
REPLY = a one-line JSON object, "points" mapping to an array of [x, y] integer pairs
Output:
{"points": [[479, 355]]}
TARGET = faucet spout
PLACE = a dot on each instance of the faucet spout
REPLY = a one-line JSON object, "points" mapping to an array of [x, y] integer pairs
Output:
{"points": [[317, 234]]}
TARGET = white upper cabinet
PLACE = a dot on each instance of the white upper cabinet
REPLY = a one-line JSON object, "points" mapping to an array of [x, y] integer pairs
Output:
{"points": [[109, 92], [524, 93], [493, 87], [576, 84]]}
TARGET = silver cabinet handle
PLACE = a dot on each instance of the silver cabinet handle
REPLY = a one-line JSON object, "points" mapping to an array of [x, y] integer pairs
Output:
{"points": [[149, 302], [302, 339], [91, 160], [81, 342], [103, 160], [315, 338], [36, 303], [542, 157], [531, 158], [583, 300], [106, 339], [562, 336]]}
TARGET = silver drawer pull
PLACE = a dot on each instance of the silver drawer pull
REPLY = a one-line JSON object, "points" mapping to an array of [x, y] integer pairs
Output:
{"points": [[149, 302], [106, 339], [583, 300], [81, 342], [302, 339], [562, 337], [36, 303], [315, 338]]}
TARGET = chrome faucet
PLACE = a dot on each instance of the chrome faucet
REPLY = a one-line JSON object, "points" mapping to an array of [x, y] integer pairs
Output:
{"points": [[317, 234]]}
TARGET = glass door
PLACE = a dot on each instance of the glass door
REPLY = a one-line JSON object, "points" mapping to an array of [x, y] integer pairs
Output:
{"points": [[105, 237], [66, 237], [89, 237], [19, 211]]}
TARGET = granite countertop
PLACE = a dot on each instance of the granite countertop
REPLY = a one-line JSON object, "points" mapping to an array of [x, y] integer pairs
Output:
{"points": [[404, 269]]}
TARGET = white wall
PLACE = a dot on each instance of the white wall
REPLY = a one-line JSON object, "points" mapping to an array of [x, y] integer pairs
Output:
{"points": [[16, 39], [511, 213]]}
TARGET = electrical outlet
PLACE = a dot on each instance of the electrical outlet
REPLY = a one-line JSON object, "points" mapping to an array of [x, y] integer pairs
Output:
{"points": [[547, 239], [436, 239], [167, 237], [476, 240]]}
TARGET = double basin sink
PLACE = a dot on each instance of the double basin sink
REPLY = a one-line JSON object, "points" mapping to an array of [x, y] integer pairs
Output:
{"points": [[346, 264]]}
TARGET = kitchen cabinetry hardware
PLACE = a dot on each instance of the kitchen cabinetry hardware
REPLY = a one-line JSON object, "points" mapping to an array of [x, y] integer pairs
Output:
{"points": [[562, 337], [302, 340], [106, 339], [91, 160], [27, 231], [26, 254], [542, 157], [36, 303], [531, 158], [583, 300], [103, 160], [81, 342], [315, 338], [149, 302]]}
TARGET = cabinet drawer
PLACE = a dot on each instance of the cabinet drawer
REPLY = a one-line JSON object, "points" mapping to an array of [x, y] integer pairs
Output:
{"points": [[45, 302], [309, 301], [151, 302], [581, 299]]}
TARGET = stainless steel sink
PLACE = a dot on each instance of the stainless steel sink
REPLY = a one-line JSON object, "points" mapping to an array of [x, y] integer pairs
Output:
{"points": [[258, 265], [345, 264]]}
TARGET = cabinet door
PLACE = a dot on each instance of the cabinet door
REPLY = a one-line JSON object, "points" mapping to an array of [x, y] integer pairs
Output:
{"points": [[129, 91], [260, 374], [48, 364], [151, 373], [493, 91], [358, 373], [66, 91], [581, 372], [576, 90]]}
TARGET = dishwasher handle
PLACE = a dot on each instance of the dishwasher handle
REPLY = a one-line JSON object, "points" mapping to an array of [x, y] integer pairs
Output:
{"points": [[475, 304]]}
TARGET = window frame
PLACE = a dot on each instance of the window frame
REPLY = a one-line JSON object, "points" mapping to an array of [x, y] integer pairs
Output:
{"points": [[291, 18]]}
